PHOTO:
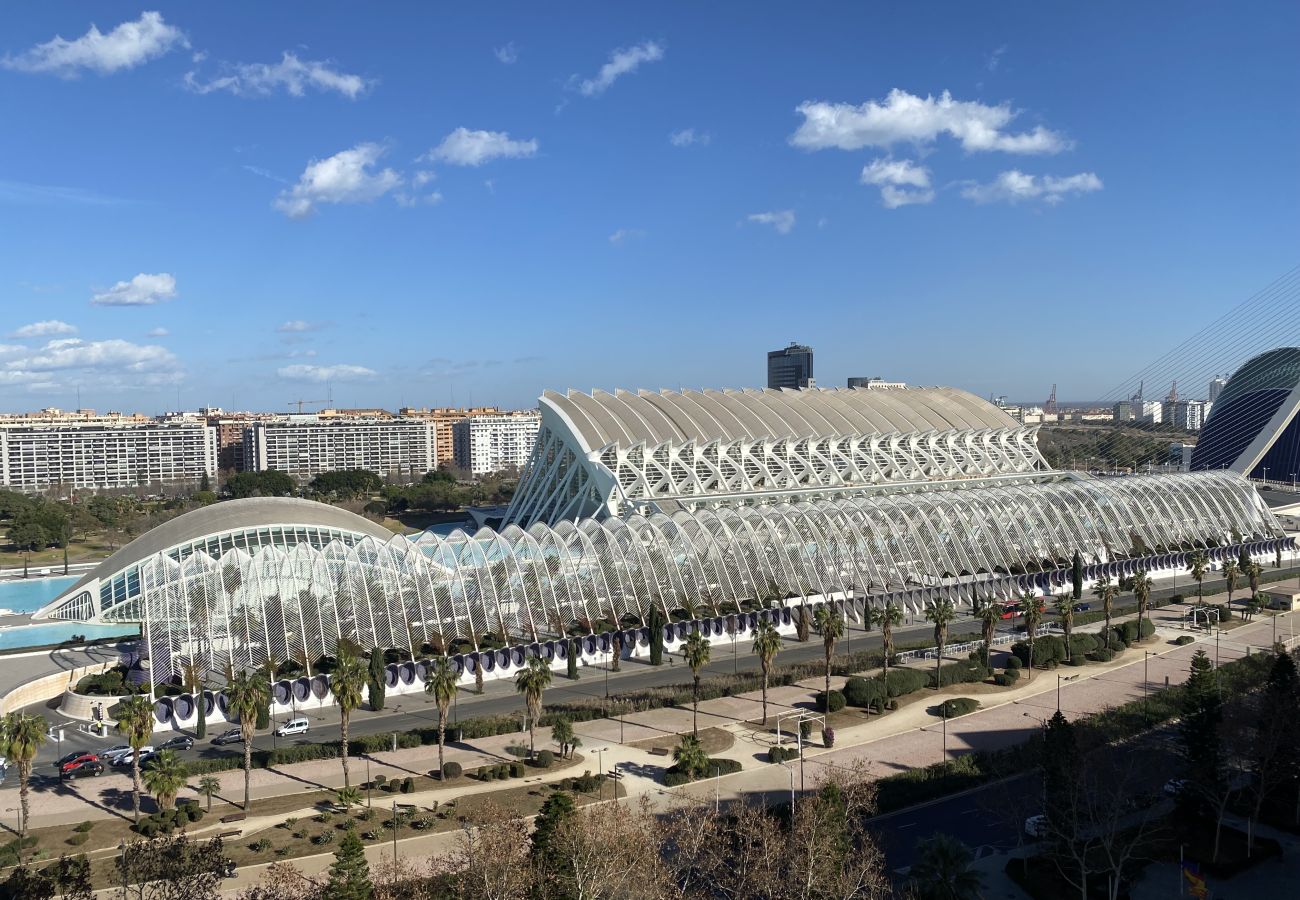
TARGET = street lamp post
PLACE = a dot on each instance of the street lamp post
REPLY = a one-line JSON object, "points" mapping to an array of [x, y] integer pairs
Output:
{"points": [[1146, 685], [600, 774], [790, 770]]}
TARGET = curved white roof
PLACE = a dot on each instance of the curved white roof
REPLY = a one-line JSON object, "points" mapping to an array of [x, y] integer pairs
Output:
{"points": [[624, 418]]}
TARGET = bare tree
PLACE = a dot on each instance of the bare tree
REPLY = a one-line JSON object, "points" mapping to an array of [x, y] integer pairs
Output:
{"points": [[609, 851], [491, 859]]}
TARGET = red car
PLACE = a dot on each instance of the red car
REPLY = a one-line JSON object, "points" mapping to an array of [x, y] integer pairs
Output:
{"points": [[78, 760], [1011, 610]]}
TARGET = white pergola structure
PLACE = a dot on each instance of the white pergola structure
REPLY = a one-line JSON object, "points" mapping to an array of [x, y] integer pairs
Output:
{"points": [[602, 454], [245, 582]]}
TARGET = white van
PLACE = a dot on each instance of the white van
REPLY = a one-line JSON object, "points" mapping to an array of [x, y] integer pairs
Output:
{"points": [[293, 726]]}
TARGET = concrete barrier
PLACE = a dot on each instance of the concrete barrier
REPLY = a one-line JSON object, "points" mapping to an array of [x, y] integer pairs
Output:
{"points": [[48, 687]]}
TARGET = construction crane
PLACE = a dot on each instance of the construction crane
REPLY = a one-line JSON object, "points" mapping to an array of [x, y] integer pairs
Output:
{"points": [[1050, 406], [300, 403]]}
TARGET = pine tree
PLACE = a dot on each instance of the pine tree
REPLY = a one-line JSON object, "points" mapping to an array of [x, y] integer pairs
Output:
{"points": [[1200, 729], [375, 685], [571, 660], [1060, 764], [558, 810], [656, 622], [1076, 576], [349, 873]]}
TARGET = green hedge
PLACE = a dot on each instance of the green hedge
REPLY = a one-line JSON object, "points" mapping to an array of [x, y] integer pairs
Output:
{"points": [[901, 682], [782, 754], [836, 704], [1184, 639], [967, 671], [675, 777], [863, 692], [958, 706]]}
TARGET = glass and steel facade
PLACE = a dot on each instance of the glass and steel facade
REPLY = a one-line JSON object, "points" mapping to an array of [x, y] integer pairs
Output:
{"points": [[242, 596], [1254, 427]]}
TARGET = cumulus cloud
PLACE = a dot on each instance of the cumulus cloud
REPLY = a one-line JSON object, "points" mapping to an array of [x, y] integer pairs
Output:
{"points": [[626, 234], [907, 118], [507, 55], [110, 356], [298, 326], [404, 198], [688, 136], [346, 177], [781, 220], [473, 148], [1015, 186], [128, 45], [158, 332], [995, 58], [901, 181], [304, 372], [623, 61], [292, 75], [142, 290], [47, 328]]}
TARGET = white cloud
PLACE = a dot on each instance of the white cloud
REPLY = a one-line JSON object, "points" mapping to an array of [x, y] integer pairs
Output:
{"points": [[688, 136], [47, 328], [995, 58], [623, 61], [626, 234], [290, 74], [345, 177], [74, 353], [473, 148], [781, 220], [901, 181], [142, 290], [125, 47], [405, 199], [906, 118], [298, 326], [1015, 186], [507, 54], [303, 372], [23, 192], [158, 332], [421, 178]]}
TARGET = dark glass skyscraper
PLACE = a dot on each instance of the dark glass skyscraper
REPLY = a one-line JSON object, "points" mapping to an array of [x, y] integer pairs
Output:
{"points": [[791, 367]]}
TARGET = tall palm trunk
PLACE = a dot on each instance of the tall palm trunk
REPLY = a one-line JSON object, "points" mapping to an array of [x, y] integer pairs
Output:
{"points": [[1067, 623], [248, 774], [1105, 607], [695, 709], [828, 646], [989, 628], [347, 775], [764, 693], [24, 777], [442, 738], [886, 640], [135, 786]]}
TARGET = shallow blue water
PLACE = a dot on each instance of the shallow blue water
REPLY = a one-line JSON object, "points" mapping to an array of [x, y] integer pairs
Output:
{"points": [[30, 594], [27, 595]]}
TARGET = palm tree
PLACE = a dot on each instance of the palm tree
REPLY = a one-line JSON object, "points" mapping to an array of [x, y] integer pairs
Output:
{"points": [[1065, 605], [21, 735], [887, 617], [1141, 584], [532, 681], [562, 734], [1198, 565], [941, 613], [1252, 573], [247, 693], [942, 870], [696, 653], [442, 687], [989, 614], [767, 643], [1230, 573], [165, 777], [209, 787], [135, 723], [689, 755], [1104, 591], [830, 625], [347, 681], [1034, 606]]}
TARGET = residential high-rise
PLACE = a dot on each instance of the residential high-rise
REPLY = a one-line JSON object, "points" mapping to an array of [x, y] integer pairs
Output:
{"points": [[443, 418], [1188, 415], [791, 367], [107, 457], [487, 444], [305, 446], [1217, 384], [877, 384]]}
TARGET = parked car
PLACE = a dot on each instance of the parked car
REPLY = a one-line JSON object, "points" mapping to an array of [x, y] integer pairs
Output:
{"points": [[113, 753], [67, 758], [229, 736], [1082, 607], [1010, 611], [78, 760], [1174, 786], [128, 757], [293, 726], [180, 742], [90, 768], [1036, 826]]}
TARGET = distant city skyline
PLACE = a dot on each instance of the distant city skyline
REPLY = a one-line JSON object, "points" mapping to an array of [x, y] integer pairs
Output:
{"points": [[404, 205]]}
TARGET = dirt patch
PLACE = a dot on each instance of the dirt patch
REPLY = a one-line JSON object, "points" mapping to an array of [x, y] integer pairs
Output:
{"points": [[714, 741]]}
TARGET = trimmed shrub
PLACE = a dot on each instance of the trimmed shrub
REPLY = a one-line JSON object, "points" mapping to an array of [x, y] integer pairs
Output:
{"points": [[958, 706], [78, 838], [805, 729], [901, 682], [1101, 655], [862, 692], [675, 777], [828, 737], [1013, 662], [781, 754], [408, 785], [84, 826], [1183, 640], [836, 702], [1083, 644], [451, 770], [1007, 678], [878, 706], [516, 770], [964, 672], [545, 759]]}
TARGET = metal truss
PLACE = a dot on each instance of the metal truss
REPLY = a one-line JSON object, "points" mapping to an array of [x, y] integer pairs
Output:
{"points": [[249, 604]]}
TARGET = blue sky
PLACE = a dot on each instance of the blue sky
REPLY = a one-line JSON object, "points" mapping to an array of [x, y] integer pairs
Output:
{"points": [[252, 203]]}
